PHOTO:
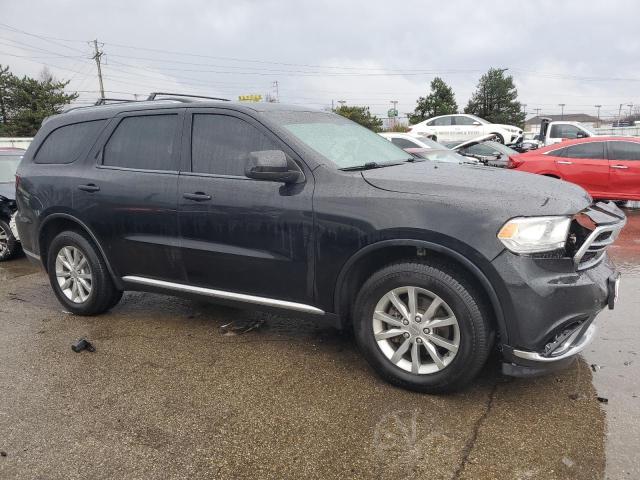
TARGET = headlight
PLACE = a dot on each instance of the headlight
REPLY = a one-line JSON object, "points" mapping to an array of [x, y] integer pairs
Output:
{"points": [[535, 234]]}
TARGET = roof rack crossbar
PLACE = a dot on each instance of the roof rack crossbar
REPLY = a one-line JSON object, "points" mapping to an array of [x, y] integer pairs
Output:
{"points": [[153, 95]]}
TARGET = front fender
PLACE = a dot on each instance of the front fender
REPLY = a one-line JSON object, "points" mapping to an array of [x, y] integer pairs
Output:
{"points": [[485, 274]]}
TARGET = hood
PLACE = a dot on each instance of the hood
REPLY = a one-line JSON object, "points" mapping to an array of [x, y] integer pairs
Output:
{"points": [[474, 141], [482, 188], [8, 190]]}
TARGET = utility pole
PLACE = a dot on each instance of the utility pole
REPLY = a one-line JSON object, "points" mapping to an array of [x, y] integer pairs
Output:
{"points": [[524, 109], [620, 112], [561, 105], [598, 107], [537, 111], [97, 56], [630, 105]]}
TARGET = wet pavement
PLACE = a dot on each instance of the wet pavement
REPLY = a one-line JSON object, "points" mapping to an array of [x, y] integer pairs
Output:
{"points": [[170, 394]]}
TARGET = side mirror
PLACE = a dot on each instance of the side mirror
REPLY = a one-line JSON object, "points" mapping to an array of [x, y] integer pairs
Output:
{"points": [[476, 124], [582, 135], [271, 165]]}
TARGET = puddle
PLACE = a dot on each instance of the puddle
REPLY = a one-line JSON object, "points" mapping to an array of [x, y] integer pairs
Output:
{"points": [[615, 351]]}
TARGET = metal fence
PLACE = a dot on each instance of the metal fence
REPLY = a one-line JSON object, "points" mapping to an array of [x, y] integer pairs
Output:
{"points": [[619, 131], [15, 142]]}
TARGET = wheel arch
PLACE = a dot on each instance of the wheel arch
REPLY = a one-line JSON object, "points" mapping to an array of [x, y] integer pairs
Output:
{"points": [[376, 255], [55, 223]]}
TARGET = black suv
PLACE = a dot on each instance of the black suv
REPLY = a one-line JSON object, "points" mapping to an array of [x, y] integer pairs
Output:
{"points": [[433, 265]]}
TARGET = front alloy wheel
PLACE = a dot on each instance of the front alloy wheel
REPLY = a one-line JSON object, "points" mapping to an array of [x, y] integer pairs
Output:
{"points": [[423, 326], [416, 330]]}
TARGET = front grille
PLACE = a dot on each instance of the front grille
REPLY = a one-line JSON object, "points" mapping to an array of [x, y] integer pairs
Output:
{"points": [[592, 231]]}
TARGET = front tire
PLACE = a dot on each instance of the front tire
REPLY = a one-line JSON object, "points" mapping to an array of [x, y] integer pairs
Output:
{"points": [[499, 138], [422, 327], [9, 246], [79, 275]]}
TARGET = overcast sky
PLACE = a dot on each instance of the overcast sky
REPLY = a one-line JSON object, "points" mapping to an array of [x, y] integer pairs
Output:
{"points": [[580, 53]]}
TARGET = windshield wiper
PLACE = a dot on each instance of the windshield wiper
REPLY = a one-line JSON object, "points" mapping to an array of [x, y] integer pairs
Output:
{"points": [[372, 165]]}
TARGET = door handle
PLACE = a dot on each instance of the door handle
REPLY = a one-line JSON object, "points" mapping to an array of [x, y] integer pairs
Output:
{"points": [[620, 167], [197, 196], [89, 188], [564, 162]]}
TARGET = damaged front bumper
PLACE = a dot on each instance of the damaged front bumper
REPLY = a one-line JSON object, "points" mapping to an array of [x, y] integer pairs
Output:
{"points": [[554, 301]]}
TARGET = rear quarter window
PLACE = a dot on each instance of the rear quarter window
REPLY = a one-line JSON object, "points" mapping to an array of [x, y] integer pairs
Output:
{"points": [[65, 144]]}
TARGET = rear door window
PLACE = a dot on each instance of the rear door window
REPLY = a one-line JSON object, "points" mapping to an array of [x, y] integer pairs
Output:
{"points": [[591, 150], [144, 142], [462, 120], [220, 144], [624, 151], [65, 144]]}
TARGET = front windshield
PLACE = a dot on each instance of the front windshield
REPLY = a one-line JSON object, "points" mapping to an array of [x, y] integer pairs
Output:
{"points": [[499, 147], [343, 142], [8, 167], [587, 129]]}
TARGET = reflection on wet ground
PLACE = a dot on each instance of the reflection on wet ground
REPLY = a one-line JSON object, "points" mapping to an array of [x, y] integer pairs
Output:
{"points": [[171, 394], [614, 357]]}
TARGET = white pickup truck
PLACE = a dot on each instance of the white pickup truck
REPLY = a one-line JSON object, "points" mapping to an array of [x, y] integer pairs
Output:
{"points": [[555, 132]]}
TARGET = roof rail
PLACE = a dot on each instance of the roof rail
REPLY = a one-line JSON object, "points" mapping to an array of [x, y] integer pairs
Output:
{"points": [[103, 101], [185, 99]]}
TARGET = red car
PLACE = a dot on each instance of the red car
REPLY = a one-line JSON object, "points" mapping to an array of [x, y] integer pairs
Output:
{"points": [[607, 167]]}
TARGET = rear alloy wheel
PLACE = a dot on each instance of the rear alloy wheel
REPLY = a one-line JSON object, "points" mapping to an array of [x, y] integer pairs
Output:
{"points": [[423, 326], [73, 273], [79, 275], [9, 246]]}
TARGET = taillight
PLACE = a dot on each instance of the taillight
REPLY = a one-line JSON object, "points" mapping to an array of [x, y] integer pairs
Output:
{"points": [[514, 162]]}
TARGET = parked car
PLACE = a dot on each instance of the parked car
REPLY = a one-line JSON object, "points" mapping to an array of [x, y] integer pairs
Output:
{"points": [[433, 265], [9, 239], [406, 140], [554, 132], [464, 127], [424, 148], [440, 155], [485, 150], [607, 167]]}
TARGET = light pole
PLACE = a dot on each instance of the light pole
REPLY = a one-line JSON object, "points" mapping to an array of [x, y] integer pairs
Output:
{"points": [[630, 105], [598, 107], [561, 105], [393, 118]]}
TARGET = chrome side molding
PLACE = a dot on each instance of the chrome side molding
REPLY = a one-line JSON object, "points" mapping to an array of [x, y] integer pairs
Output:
{"points": [[209, 292]]}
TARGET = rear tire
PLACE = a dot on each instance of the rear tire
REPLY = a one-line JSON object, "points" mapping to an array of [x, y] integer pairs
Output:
{"points": [[448, 342], [79, 276], [9, 246]]}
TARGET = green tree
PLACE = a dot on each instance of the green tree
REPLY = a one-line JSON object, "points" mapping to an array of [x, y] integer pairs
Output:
{"points": [[360, 115], [495, 99], [441, 101], [25, 102]]}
